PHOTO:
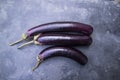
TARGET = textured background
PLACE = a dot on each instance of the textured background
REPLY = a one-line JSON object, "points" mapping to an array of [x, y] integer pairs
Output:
{"points": [[16, 16]]}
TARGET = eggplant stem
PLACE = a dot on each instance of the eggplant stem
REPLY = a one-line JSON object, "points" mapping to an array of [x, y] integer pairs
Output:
{"points": [[33, 41], [23, 38], [11, 44], [30, 42], [37, 64]]}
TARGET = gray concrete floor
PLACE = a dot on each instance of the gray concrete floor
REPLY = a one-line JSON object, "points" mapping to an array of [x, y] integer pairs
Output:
{"points": [[16, 16]]}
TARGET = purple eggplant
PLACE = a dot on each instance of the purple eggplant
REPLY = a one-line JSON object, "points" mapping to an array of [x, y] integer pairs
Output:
{"points": [[60, 39], [66, 26], [68, 52]]}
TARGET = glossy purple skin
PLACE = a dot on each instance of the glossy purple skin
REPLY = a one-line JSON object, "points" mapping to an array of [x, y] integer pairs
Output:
{"points": [[66, 26], [68, 52], [64, 39]]}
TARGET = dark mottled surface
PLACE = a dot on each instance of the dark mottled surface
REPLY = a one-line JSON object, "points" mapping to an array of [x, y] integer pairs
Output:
{"points": [[16, 16]]}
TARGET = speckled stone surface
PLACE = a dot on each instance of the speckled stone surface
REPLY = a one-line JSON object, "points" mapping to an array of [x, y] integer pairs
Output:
{"points": [[16, 16]]}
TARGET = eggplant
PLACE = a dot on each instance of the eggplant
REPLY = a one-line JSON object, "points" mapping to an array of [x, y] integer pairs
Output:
{"points": [[60, 39], [65, 26], [68, 52]]}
